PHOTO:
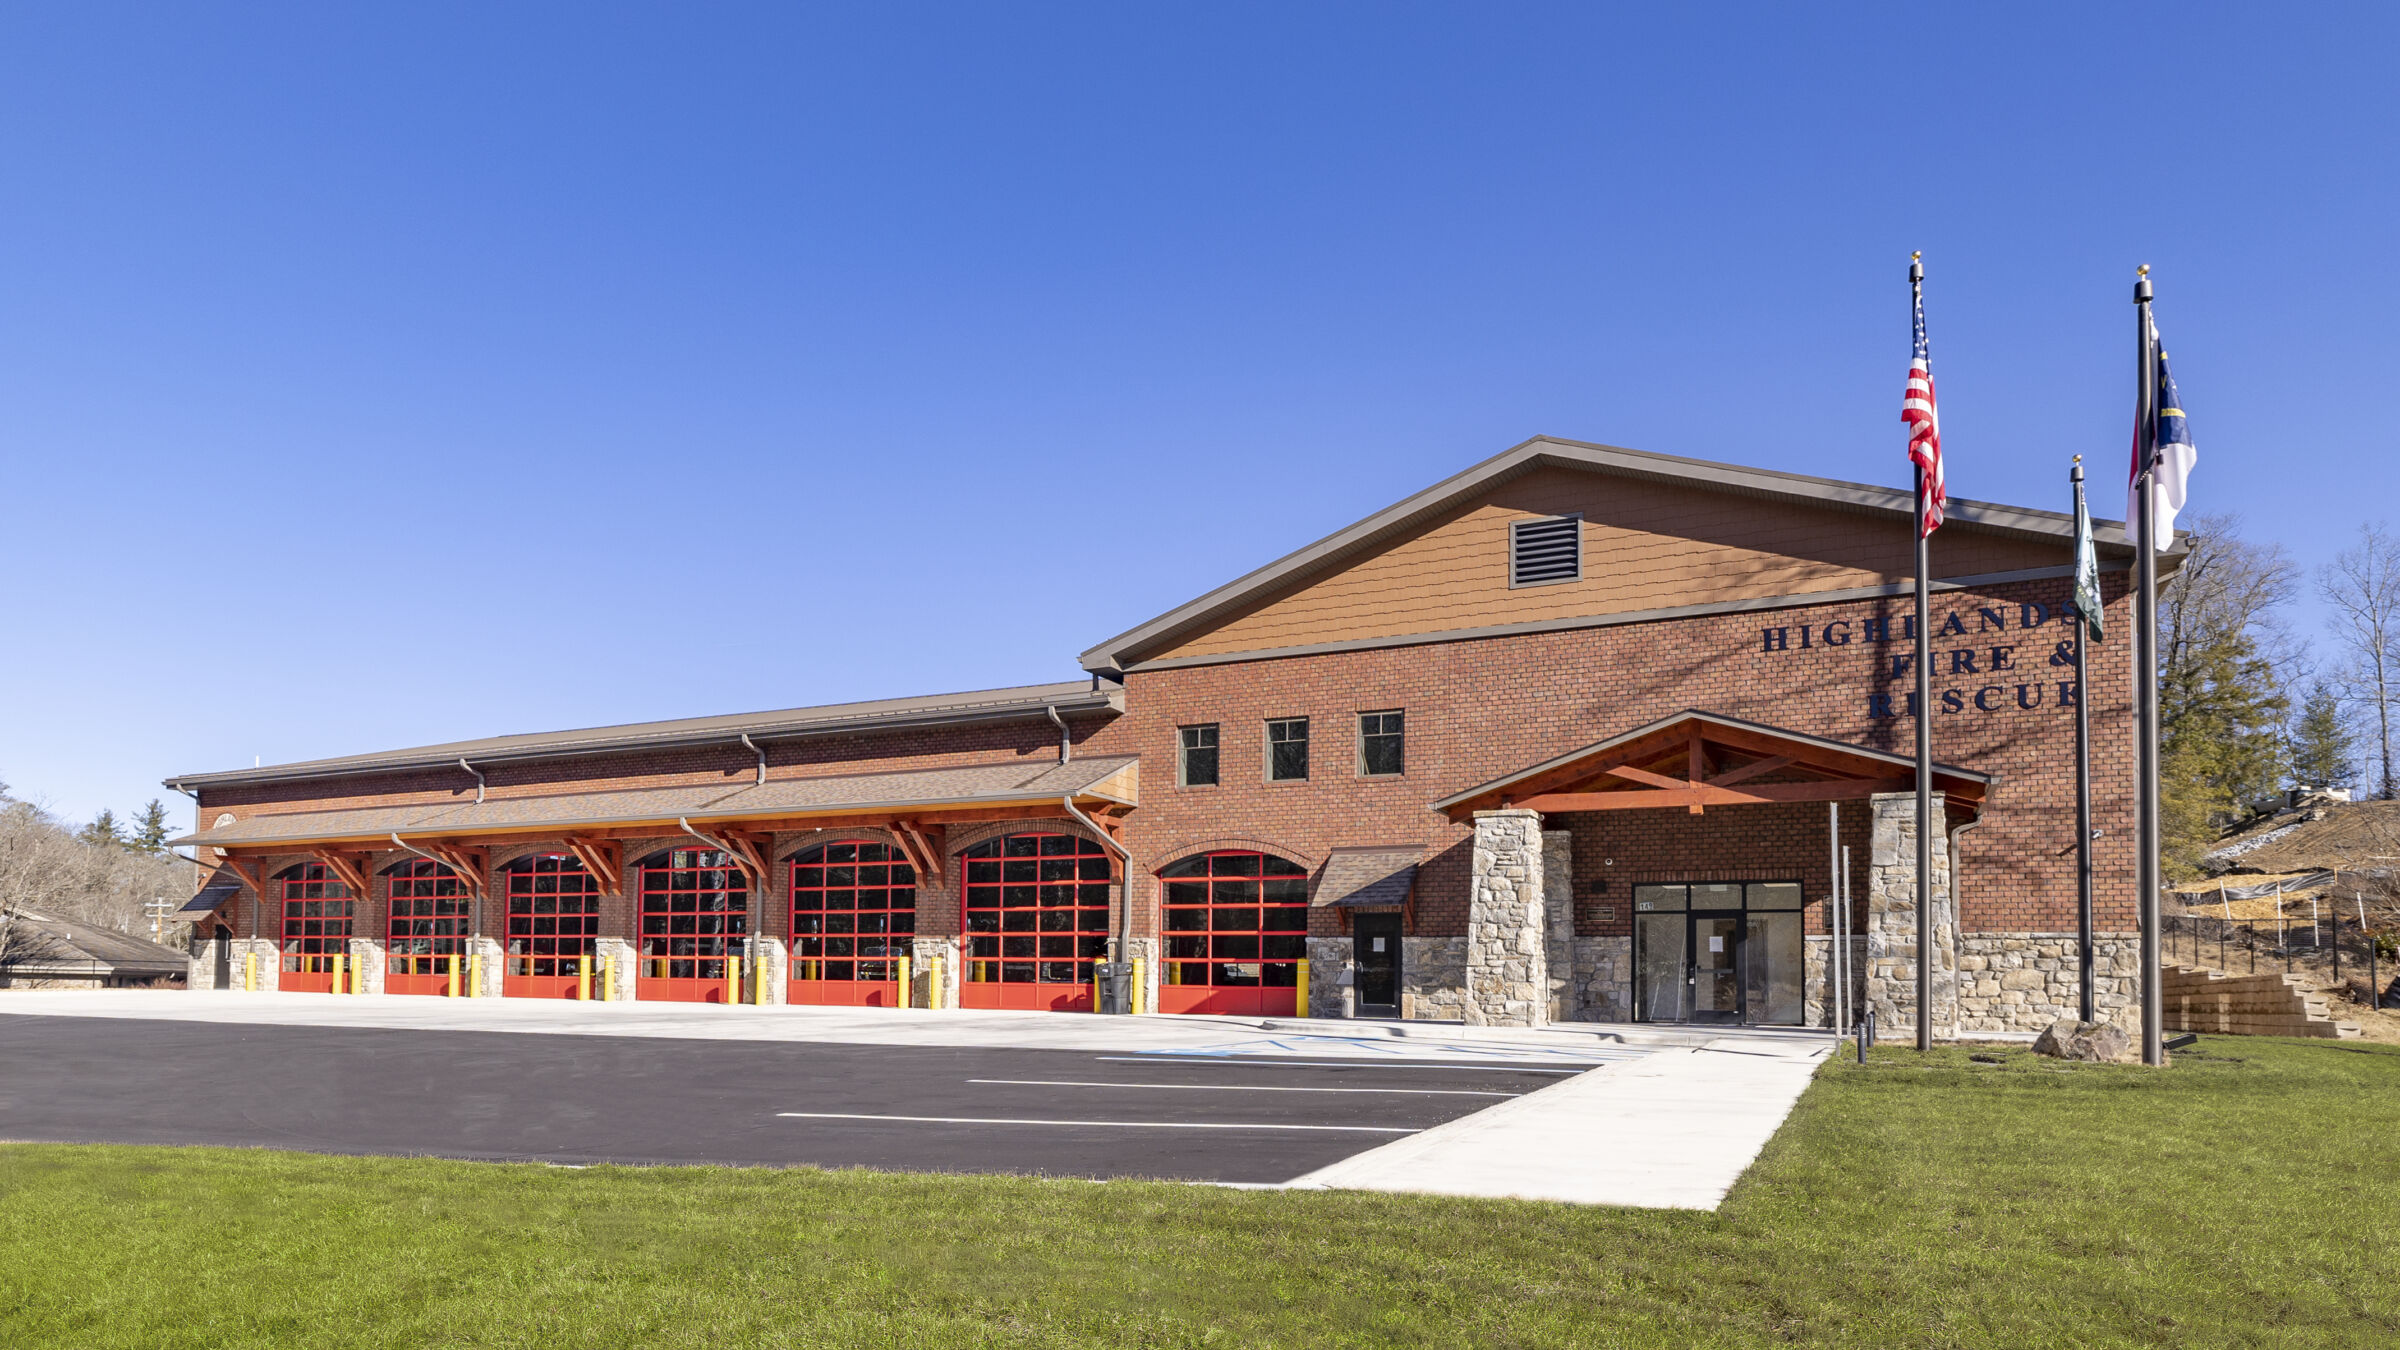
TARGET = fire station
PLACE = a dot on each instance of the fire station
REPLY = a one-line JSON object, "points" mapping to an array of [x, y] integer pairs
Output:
{"points": [[1579, 733]]}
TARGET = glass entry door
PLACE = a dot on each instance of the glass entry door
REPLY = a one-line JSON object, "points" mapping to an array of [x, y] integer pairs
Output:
{"points": [[1718, 951], [1716, 974]]}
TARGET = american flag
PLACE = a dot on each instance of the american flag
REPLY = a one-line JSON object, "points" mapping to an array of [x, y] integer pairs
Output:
{"points": [[1924, 425]]}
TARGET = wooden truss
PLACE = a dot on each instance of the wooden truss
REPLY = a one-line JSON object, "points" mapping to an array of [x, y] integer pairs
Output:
{"points": [[1697, 762]]}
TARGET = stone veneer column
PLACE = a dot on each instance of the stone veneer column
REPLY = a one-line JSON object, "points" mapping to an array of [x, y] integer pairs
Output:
{"points": [[621, 989], [931, 959], [1892, 928], [487, 955], [1558, 913], [1507, 967], [366, 957], [1332, 978], [769, 952]]}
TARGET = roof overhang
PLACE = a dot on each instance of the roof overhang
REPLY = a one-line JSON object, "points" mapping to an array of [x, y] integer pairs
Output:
{"points": [[933, 796], [1020, 704], [1898, 504], [1693, 760]]}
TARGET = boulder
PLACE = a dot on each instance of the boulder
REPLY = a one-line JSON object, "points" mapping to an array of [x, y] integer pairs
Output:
{"points": [[2092, 1042]]}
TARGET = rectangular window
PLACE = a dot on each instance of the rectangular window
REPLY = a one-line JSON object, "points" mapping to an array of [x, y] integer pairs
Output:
{"points": [[1198, 765], [1382, 743], [1287, 749]]}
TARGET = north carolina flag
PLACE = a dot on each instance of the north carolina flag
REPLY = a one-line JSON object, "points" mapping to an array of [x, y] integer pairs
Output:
{"points": [[2173, 454]]}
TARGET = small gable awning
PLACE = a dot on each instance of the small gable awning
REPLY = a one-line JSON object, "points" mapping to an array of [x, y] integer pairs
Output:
{"points": [[1695, 760], [220, 888], [1357, 878]]}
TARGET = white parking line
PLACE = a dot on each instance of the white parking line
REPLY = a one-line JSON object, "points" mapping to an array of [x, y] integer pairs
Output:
{"points": [[1245, 1087], [1215, 1062], [1110, 1124]]}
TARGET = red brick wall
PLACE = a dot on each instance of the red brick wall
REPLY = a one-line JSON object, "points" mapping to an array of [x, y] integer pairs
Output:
{"points": [[1480, 709]]}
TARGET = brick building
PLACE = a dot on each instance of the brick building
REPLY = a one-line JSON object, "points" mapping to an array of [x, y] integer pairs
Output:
{"points": [[1579, 733]]}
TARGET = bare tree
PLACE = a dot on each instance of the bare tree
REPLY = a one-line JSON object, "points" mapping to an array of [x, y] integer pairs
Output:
{"points": [[2227, 587], [46, 869], [2361, 586]]}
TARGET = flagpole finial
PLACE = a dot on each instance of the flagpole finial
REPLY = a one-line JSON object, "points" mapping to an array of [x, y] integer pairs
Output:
{"points": [[1916, 267], [2142, 271]]}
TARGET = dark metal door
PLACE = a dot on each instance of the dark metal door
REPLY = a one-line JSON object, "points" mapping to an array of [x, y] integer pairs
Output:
{"points": [[222, 976], [1376, 939]]}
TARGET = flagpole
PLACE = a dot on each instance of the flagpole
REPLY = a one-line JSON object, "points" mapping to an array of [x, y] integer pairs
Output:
{"points": [[2145, 669], [2083, 779], [1916, 286]]}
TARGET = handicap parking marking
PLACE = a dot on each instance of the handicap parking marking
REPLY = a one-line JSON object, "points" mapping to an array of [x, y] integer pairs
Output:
{"points": [[1244, 1087], [1371, 1050], [1102, 1124], [1221, 1062]]}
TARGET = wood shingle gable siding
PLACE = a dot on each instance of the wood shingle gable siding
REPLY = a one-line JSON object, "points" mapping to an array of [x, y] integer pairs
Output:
{"points": [[1647, 545]]}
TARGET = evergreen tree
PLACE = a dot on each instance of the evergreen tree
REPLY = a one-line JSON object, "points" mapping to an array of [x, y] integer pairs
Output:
{"points": [[150, 828], [2321, 742], [103, 830]]}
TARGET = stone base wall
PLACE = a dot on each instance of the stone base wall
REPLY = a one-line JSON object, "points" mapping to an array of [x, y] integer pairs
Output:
{"points": [[1333, 977], [764, 958], [1145, 951], [1602, 987], [1433, 978], [2026, 981], [1818, 989]]}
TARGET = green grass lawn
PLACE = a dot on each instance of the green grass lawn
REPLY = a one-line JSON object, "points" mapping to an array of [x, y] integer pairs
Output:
{"points": [[2248, 1196]]}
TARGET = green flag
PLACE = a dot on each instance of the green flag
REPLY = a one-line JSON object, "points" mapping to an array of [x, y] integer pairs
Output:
{"points": [[2087, 565]]}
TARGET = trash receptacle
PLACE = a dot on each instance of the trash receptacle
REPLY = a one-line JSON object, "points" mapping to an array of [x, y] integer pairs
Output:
{"points": [[1116, 986]]}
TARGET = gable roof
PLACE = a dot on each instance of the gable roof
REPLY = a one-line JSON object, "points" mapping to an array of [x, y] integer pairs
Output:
{"points": [[1802, 754], [46, 945], [1394, 521]]}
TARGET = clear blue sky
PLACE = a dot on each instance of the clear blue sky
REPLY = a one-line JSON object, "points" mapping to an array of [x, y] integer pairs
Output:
{"points": [[376, 376]]}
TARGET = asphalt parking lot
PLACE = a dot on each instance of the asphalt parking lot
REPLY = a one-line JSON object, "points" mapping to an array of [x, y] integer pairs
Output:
{"points": [[580, 1099]]}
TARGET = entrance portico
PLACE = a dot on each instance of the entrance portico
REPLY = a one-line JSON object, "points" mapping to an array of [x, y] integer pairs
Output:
{"points": [[1688, 917]]}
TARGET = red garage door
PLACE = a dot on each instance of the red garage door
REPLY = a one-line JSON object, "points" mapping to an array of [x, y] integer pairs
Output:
{"points": [[553, 917], [1037, 918], [695, 909], [428, 931], [1236, 929], [316, 927], [854, 915]]}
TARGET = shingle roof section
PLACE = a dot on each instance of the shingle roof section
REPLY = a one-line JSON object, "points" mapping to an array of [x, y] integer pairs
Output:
{"points": [[968, 785], [1016, 702], [41, 944], [1355, 877]]}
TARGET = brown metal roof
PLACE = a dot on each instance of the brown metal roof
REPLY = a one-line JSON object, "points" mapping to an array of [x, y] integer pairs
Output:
{"points": [[1021, 702], [1128, 647], [1102, 779]]}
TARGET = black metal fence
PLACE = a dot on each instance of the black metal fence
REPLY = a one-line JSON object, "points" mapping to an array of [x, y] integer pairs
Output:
{"points": [[2332, 951]]}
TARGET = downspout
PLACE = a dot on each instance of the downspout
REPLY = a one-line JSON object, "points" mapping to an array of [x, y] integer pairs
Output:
{"points": [[762, 758], [1125, 933], [462, 763], [474, 887], [1958, 913], [1066, 748]]}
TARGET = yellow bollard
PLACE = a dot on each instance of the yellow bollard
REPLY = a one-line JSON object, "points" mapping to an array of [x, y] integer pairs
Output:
{"points": [[905, 991], [337, 973], [758, 977], [733, 979], [608, 977], [1300, 1008], [934, 983], [474, 977], [1138, 972], [583, 978], [452, 990]]}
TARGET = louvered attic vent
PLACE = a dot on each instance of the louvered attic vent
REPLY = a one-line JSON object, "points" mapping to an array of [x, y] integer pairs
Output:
{"points": [[1542, 551]]}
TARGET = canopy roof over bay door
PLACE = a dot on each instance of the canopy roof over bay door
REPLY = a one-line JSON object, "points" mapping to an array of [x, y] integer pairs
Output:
{"points": [[1695, 760]]}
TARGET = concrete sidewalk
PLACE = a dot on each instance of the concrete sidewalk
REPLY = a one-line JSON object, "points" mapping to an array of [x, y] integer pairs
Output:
{"points": [[1672, 1130], [1214, 1036]]}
